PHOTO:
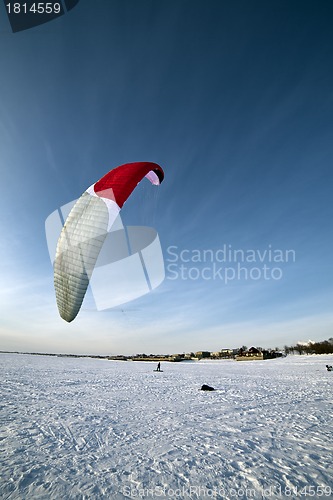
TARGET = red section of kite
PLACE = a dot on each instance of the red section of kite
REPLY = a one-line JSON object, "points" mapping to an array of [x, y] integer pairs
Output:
{"points": [[119, 183]]}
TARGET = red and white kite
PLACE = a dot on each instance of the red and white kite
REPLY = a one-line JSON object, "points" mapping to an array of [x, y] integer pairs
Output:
{"points": [[86, 228]]}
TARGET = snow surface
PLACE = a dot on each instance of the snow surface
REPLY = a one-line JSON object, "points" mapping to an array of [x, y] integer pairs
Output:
{"points": [[91, 429]]}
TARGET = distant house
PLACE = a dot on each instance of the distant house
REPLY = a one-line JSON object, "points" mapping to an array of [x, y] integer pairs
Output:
{"points": [[215, 355], [268, 354], [177, 357], [223, 353], [226, 353], [202, 354], [252, 354]]}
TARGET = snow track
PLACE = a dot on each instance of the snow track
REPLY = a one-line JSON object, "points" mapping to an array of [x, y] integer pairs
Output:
{"points": [[92, 429]]}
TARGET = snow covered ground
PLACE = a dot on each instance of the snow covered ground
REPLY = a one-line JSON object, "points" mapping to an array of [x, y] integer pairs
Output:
{"points": [[93, 429]]}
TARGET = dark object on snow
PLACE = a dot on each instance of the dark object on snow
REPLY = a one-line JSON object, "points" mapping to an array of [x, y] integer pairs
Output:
{"points": [[329, 368], [207, 388]]}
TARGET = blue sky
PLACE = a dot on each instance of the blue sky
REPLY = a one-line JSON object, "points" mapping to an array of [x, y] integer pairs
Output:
{"points": [[234, 100]]}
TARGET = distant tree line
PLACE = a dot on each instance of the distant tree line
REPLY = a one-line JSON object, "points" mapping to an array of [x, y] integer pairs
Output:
{"points": [[323, 347]]}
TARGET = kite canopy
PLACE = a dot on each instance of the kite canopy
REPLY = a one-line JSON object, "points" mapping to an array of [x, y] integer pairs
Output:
{"points": [[86, 228]]}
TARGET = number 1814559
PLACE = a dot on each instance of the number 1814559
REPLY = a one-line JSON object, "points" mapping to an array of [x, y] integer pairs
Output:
{"points": [[35, 8]]}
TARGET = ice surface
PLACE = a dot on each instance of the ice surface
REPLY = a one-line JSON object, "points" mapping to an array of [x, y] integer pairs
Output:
{"points": [[92, 429]]}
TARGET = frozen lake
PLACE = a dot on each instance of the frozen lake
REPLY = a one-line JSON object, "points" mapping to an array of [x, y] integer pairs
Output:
{"points": [[91, 429]]}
